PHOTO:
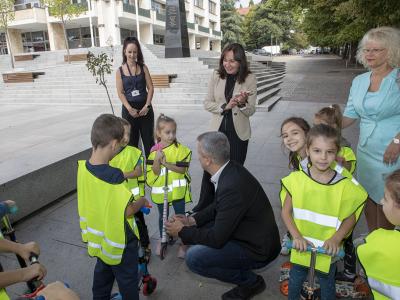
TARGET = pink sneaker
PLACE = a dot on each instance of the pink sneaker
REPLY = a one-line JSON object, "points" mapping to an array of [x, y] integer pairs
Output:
{"points": [[182, 251]]}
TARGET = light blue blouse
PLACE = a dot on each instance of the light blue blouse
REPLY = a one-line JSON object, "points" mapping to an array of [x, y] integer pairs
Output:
{"points": [[379, 114]]}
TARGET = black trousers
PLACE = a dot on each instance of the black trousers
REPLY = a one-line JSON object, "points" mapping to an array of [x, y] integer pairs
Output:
{"points": [[238, 152], [141, 127]]}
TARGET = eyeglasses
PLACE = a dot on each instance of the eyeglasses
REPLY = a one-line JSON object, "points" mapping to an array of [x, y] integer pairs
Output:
{"points": [[373, 51]]}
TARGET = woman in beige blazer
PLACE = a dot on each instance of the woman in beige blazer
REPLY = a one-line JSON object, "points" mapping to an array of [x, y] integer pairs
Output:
{"points": [[231, 98]]}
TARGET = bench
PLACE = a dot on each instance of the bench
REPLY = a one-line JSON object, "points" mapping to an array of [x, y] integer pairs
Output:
{"points": [[76, 57], [162, 81], [24, 57], [20, 77]]}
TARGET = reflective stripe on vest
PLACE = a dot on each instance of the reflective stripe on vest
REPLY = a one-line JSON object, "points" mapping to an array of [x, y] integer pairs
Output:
{"points": [[379, 257], [101, 208], [390, 291], [319, 210], [320, 219], [178, 184]]}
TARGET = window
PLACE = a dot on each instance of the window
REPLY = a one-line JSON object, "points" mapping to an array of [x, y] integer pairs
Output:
{"points": [[213, 25], [158, 7], [198, 19], [198, 3], [127, 33], [158, 39], [35, 41], [212, 7]]}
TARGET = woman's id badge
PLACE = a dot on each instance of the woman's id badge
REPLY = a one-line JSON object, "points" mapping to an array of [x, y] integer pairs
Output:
{"points": [[135, 93]]}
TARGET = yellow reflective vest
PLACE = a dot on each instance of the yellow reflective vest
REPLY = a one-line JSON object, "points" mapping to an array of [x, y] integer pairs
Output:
{"points": [[178, 184], [380, 258], [126, 161], [101, 208], [319, 210], [348, 154]]}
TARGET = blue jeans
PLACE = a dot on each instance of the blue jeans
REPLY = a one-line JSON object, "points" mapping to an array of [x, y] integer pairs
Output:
{"points": [[126, 274], [230, 264], [179, 208], [298, 274]]}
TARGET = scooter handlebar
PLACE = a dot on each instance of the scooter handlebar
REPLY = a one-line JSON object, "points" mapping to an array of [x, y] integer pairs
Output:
{"points": [[322, 250]]}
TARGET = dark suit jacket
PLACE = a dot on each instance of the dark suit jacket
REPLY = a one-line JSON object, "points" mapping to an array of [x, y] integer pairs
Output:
{"points": [[241, 213]]}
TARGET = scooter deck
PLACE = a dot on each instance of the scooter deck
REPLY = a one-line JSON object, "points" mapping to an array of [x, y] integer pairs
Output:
{"points": [[355, 290]]}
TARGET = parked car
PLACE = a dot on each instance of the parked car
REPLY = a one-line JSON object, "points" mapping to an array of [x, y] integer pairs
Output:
{"points": [[260, 52]]}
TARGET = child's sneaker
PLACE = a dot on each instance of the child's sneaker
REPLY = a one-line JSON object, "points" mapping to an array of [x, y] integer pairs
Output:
{"points": [[158, 248], [284, 250], [116, 296], [182, 251]]}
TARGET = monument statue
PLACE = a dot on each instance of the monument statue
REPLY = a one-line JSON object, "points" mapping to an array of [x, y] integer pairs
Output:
{"points": [[176, 33]]}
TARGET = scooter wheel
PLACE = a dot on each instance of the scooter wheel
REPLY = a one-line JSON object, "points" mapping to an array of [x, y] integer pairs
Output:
{"points": [[284, 287], [149, 286]]}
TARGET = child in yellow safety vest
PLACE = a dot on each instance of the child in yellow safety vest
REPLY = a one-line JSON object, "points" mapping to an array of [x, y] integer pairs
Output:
{"points": [[294, 133], [166, 156], [131, 162], [379, 251], [106, 208], [332, 116], [320, 207]]}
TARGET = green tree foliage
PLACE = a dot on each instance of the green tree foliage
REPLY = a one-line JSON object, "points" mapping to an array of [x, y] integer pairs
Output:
{"points": [[7, 15], [336, 22], [231, 23], [265, 20], [251, 3], [64, 10], [99, 66]]}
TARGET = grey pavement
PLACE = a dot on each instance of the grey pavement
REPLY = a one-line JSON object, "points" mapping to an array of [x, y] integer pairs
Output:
{"points": [[56, 227]]}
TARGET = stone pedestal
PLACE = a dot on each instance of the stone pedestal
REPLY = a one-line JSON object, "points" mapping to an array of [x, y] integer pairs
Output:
{"points": [[176, 33]]}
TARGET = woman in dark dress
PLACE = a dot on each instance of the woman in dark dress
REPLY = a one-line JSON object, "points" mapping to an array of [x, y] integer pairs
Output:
{"points": [[135, 90]]}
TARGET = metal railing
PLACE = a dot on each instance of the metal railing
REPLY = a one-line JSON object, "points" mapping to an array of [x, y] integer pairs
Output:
{"points": [[203, 29]]}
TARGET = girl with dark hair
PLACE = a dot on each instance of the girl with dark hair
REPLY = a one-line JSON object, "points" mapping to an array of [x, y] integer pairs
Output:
{"points": [[231, 98], [135, 90]]}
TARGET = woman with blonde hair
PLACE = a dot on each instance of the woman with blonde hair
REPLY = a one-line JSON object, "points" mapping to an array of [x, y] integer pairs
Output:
{"points": [[375, 100]]}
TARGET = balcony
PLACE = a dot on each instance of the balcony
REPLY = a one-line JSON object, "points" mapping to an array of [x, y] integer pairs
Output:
{"points": [[203, 29], [129, 8], [144, 12], [216, 33], [160, 17], [190, 25]]}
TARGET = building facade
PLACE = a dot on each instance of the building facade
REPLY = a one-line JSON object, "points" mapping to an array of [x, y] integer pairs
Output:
{"points": [[34, 29]]}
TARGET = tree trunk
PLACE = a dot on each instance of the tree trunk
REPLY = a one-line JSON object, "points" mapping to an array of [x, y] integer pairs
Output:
{"points": [[353, 52], [345, 50], [65, 39], [109, 99], [8, 43]]}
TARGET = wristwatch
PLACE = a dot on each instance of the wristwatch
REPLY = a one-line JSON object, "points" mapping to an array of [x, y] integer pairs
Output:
{"points": [[396, 141], [148, 106]]}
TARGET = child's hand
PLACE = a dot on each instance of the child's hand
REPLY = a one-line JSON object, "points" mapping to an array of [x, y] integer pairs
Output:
{"points": [[163, 160], [35, 271], [10, 203], [301, 243], [143, 202], [332, 246], [340, 160], [25, 250], [159, 155]]}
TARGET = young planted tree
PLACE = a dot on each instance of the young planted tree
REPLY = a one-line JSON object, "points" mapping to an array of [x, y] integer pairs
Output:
{"points": [[7, 14], [64, 10], [99, 66]]}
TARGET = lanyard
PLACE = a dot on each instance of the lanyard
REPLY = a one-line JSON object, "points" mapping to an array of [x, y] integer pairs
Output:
{"points": [[132, 77]]}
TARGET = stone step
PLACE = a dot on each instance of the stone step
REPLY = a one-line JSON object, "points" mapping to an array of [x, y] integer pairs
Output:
{"points": [[267, 87], [268, 80], [268, 104], [266, 95]]}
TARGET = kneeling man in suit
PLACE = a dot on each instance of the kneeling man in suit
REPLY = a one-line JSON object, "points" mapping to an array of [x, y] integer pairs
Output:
{"points": [[237, 232]]}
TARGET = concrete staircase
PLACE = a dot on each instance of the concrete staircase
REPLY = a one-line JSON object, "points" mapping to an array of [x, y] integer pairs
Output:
{"points": [[72, 84]]}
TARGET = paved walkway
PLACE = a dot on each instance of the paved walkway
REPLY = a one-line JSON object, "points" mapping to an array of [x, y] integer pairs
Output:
{"points": [[56, 228]]}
